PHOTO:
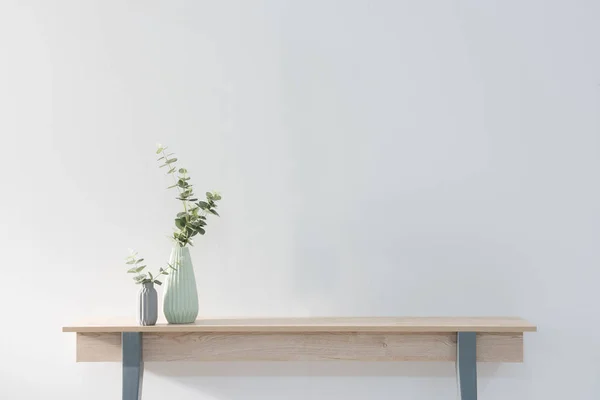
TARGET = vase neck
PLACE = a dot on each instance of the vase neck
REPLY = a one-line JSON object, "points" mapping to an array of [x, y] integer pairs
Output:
{"points": [[181, 251], [148, 285]]}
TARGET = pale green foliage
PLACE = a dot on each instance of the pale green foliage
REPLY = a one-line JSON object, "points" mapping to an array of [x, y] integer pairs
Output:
{"points": [[189, 223], [137, 267], [192, 220]]}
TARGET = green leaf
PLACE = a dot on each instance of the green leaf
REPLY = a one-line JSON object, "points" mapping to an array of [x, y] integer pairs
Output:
{"points": [[203, 205], [157, 282], [172, 186], [182, 171], [180, 222], [139, 261], [171, 160], [197, 229], [150, 275], [164, 165], [130, 262], [209, 195], [131, 271], [181, 214], [140, 269], [171, 171], [159, 150], [214, 212], [198, 224], [160, 158]]}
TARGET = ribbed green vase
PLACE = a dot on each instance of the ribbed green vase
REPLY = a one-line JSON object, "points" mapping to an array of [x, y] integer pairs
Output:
{"points": [[180, 296]]}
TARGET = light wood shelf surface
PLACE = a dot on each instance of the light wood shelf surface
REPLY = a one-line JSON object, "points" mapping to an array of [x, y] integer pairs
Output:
{"points": [[319, 324], [463, 340]]}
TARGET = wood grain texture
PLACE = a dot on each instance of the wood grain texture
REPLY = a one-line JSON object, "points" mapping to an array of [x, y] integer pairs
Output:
{"points": [[198, 346], [97, 347], [321, 324]]}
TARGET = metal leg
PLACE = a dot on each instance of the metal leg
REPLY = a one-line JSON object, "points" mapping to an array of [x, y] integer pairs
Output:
{"points": [[133, 365], [466, 365]]}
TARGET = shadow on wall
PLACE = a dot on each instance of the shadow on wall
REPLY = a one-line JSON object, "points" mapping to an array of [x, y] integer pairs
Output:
{"points": [[327, 368], [323, 380]]}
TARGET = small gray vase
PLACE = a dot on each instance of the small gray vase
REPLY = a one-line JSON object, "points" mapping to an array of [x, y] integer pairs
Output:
{"points": [[148, 305]]}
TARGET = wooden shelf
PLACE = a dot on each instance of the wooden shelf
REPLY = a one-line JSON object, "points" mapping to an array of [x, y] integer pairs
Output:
{"points": [[500, 339], [321, 324], [464, 340]]}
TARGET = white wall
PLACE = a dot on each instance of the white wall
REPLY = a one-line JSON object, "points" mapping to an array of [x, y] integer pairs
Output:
{"points": [[375, 158]]}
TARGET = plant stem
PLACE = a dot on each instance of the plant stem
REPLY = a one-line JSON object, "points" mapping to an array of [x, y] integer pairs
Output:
{"points": [[185, 209], [169, 165]]}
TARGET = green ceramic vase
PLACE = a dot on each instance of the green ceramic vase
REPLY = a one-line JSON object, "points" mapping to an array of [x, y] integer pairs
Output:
{"points": [[180, 296]]}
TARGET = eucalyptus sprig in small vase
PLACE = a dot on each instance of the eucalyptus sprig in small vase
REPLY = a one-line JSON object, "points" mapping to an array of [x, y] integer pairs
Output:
{"points": [[180, 296], [147, 312]]}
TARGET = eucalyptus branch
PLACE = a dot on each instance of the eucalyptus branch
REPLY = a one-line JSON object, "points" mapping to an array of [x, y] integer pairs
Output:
{"points": [[192, 220], [136, 268]]}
